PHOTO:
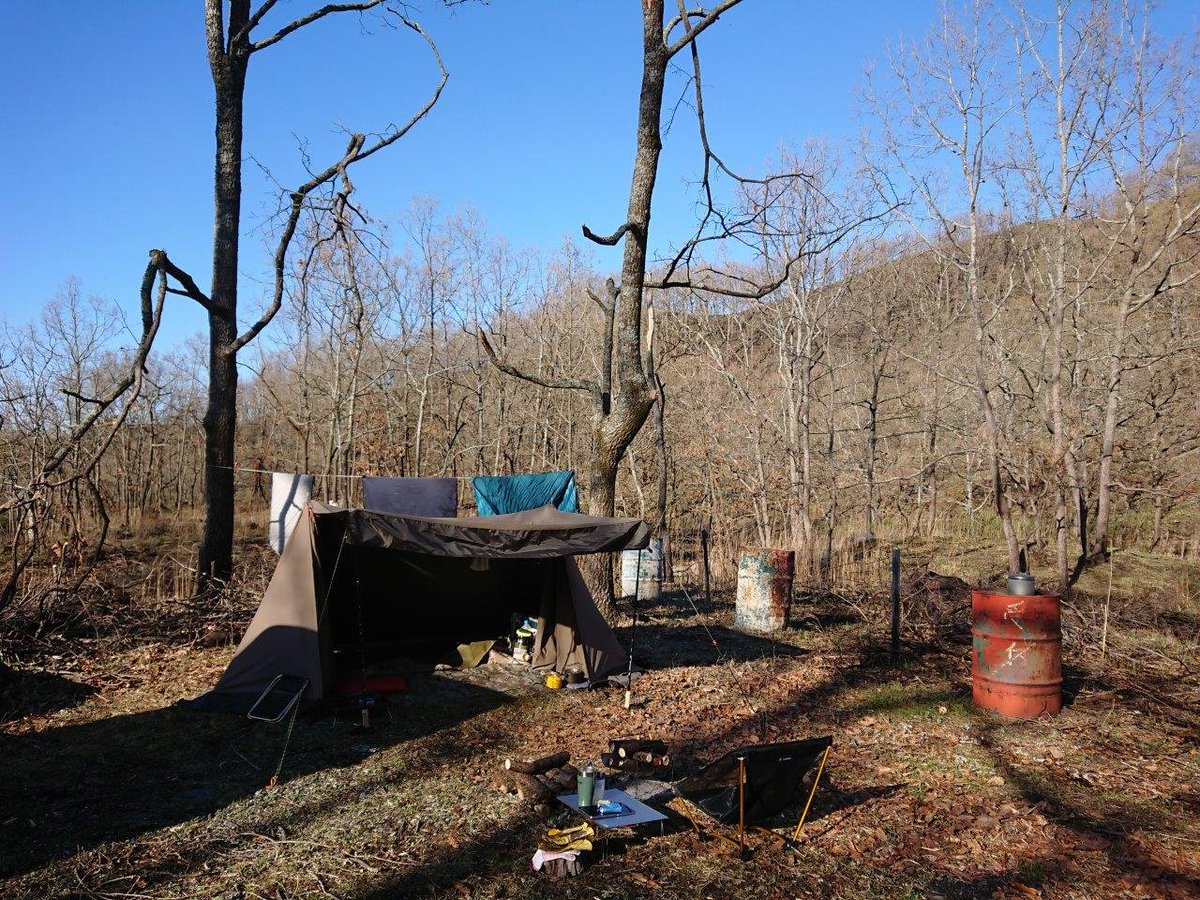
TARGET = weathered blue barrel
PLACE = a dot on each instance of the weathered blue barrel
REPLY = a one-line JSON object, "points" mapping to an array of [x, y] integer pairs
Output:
{"points": [[648, 583], [764, 590]]}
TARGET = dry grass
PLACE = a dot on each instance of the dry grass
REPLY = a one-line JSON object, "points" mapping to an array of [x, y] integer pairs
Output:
{"points": [[110, 792]]}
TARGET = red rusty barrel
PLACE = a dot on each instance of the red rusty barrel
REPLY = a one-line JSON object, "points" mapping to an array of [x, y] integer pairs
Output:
{"points": [[764, 590], [1016, 664]]}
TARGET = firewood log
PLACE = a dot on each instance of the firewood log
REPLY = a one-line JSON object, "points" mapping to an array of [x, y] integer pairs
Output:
{"points": [[651, 759], [535, 767], [560, 780], [529, 789], [628, 746]]}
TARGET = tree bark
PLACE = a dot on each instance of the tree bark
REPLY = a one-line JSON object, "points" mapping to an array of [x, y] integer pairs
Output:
{"points": [[228, 65]]}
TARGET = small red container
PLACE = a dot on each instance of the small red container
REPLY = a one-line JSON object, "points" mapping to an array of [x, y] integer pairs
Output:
{"points": [[1016, 661]]}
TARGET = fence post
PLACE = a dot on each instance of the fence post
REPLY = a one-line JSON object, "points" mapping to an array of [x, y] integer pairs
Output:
{"points": [[896, 605], [704, 553]]}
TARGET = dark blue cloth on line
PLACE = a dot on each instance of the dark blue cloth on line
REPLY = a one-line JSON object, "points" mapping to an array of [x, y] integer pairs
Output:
{"points": [[497, 495], [433, 497]]}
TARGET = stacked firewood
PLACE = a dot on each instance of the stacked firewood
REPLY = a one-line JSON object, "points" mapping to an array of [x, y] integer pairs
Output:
{"points": [[636, 756], [537, 781]]}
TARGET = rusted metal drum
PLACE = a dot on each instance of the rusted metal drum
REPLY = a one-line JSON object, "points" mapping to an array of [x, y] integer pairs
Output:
{"points": [[1016, 666], [764, 589], [642, 571]]}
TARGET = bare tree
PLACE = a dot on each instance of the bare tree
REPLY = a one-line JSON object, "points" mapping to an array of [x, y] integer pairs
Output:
{"points": [[1151, 230], [626, 389], [938, 137], [51, 471], [232, 43]]}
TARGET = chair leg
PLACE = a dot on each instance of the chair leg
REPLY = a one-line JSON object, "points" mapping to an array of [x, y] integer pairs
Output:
{"points": [[811, 794]]}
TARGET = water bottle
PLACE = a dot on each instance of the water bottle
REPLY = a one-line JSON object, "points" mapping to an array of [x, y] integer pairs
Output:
{"points": [[587, 786]]}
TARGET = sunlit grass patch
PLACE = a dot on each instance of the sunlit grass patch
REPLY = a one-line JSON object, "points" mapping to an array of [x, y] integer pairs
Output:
{"points": [[906, 701]]}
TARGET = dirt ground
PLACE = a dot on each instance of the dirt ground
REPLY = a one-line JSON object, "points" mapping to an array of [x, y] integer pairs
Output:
{"points": [[109, 791]]}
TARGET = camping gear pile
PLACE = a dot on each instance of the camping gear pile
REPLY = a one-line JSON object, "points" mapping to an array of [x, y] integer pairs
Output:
{"points": [[746, 787], [359, 594]]}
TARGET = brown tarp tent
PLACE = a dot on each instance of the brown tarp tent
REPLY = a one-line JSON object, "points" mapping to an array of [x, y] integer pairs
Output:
{"points": [[356, 591]]}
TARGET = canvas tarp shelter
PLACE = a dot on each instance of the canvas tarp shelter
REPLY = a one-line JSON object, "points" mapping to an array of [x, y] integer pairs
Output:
{"points": [[355, 586]]}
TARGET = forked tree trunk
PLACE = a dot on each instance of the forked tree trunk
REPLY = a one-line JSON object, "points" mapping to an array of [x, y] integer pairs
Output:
{"points": [[624, 394]]}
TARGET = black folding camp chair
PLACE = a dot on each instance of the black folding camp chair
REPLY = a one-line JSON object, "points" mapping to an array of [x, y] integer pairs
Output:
{"points": [[773, 773]]}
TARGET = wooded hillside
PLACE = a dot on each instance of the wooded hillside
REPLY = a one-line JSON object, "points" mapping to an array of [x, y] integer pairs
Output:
{"points": [[983, 321]]}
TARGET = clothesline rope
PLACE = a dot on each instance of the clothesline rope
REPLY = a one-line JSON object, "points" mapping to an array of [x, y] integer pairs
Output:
{"points": [[321, 475]]}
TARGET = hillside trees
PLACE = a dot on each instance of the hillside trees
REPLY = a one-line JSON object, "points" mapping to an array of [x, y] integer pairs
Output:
{"points": [[936, 139], [1152, 225], [827, 369]]}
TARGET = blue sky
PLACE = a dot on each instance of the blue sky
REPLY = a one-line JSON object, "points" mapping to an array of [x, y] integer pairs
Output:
{"points": [[108, 122]]}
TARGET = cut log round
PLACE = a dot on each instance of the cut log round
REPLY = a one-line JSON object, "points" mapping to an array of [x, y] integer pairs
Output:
{"points": [[651, 759], [563, 868], [625, 747], [534, 767]]}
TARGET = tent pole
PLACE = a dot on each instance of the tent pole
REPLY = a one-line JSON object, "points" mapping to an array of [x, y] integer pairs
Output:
{"points": [[637, 589], [742, 805]]}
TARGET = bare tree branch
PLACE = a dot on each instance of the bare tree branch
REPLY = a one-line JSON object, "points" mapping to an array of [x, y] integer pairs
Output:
{"points": [[314, 16], [151, 319], [357, 150], [569, 384], [694, 31], [611, 239], [190, 288]]}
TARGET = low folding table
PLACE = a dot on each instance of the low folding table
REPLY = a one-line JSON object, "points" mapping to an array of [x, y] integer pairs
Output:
{"points": [[639, 813]]}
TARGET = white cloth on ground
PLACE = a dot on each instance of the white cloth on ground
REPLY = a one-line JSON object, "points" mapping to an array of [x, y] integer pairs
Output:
{"points": [[544, 856]]}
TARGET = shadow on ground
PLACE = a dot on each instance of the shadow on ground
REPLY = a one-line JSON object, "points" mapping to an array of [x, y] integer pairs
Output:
{"points": [[37, 693], [667, 646], [77, 786], [1105, 821]]}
